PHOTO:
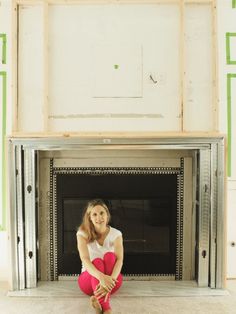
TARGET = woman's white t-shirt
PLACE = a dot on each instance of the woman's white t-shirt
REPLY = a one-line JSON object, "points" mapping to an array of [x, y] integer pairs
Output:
{"points": [[95, 249]]}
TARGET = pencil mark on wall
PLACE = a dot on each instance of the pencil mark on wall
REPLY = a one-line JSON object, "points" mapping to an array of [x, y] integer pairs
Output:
{"points": [[108, 115]]}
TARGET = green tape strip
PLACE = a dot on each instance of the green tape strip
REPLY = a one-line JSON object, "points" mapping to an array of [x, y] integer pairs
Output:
{"points": [[233, 4], [3, 130], [228, 56], [4, 48], [229, 122]]}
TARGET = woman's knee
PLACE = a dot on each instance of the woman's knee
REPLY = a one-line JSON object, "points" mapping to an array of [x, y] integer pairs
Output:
{"points": [[109, 256], [99, 264]]}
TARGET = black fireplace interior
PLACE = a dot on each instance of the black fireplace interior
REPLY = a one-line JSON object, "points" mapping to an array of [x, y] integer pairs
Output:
{"points": [[142, 206]]}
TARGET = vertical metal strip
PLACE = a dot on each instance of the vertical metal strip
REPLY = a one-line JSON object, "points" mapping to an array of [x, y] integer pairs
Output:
{"points": [[14, 279], [181, 191], [213, 215], [20, 217], [30, 218], [177, 229], [55, 226], [179, 225], [221, 220], [204, 216], [51, 251]]}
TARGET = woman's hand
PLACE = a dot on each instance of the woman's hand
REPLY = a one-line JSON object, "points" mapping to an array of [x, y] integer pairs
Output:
{"points": [[107, 282], [101, 292]]}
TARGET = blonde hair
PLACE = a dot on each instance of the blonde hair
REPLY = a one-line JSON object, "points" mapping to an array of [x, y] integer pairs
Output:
{"points": [[87, 225]]}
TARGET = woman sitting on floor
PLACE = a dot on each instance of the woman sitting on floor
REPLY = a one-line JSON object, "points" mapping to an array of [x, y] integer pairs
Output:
{"points": [[101, 252]]}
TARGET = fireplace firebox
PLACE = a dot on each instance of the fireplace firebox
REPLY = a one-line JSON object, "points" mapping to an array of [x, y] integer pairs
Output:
{"points": [[144, 205]]}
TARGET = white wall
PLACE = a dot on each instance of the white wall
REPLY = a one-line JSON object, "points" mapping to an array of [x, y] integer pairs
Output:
{"points": [[4, 271], [226, 24]]}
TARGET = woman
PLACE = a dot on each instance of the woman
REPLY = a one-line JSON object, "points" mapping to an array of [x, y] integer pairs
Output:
{"points": [[101, 252]]}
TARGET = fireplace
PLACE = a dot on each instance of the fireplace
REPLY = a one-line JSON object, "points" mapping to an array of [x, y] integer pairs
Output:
{"points": [[143, 203], [165, 195]]}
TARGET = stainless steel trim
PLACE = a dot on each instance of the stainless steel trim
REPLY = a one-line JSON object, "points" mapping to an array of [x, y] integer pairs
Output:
{"points": [[54, 228], [221, 217], [213, 215], [70, 143], [179, 222], [20, 219], [204, 216], [30, 218], [12, 221], [199, 144]]}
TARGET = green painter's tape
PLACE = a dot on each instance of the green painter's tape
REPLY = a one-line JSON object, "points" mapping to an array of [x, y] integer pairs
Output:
{"points": [[228, 56], [4, 48], [3, 130], [233, 4], [229, 122]]}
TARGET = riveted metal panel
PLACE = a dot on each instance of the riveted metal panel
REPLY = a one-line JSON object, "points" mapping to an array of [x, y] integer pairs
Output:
{"points": [[204, 216], [30, 218]]}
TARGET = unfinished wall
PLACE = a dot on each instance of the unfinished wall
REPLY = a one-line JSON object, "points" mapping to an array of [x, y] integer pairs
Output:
{"points": [[116, 67], [65, 71]]}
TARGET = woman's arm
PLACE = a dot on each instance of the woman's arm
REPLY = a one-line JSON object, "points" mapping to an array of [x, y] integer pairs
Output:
{"points": [[106, 281], [119, 252], [84, 256]]}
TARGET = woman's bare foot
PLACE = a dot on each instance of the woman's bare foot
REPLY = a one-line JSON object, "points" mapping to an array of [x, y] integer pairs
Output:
{"points": [[95, 304]]}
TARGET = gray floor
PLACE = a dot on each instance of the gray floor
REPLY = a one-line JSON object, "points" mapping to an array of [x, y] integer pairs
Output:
{"points": [[135, 297]]}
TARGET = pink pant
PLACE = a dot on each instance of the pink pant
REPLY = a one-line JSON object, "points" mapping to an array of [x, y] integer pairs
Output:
{"points": [[88, 283]]}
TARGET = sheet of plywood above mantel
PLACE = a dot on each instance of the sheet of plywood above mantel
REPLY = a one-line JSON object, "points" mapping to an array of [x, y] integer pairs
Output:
{"points": [[114, 66]]}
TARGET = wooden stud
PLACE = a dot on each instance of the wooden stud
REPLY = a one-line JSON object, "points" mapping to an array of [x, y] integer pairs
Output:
{"points": [[182, 63], [117, 135], [215, 78], [45, 62], [14, 85], [79, 2]]}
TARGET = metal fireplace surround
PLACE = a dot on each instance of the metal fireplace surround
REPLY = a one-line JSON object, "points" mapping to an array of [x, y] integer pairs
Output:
{"points": [[23, 191]]}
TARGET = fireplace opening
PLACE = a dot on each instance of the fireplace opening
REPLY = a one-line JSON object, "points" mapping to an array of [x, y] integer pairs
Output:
{"points": [[144, 205], [43, 224]]}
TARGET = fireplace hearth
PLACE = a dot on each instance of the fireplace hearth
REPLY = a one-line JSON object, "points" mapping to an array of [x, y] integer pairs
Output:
{"points": [[165, 195]]}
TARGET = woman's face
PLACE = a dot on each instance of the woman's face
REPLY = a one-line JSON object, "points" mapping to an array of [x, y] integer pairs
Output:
{"points": [[99, 217]]}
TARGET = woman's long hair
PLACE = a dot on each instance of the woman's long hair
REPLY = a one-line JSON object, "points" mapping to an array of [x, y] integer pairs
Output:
{"points": [[87, 225]]}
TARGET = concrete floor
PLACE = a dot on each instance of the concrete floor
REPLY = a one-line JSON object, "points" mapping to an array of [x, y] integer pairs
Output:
{"points": [[204, 304]]}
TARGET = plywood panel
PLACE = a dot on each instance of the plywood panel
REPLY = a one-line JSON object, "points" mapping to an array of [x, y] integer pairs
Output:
{"points": [[198, 106], [145, 39], [30, 66]]}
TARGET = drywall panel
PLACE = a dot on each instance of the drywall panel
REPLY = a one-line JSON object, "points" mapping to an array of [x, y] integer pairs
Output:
{"points": [[30, 68], [114, 67], [231, 110], [199, 105], [231, 233], [117, 71]]}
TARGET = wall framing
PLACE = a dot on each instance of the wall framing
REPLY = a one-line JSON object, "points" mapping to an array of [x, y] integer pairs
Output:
{"points": [[182, 82]]}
